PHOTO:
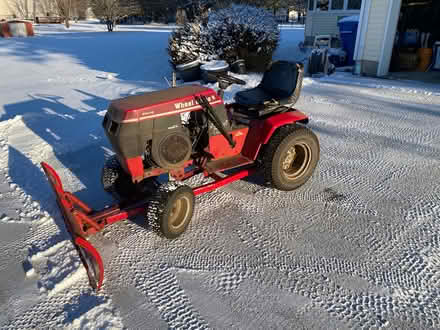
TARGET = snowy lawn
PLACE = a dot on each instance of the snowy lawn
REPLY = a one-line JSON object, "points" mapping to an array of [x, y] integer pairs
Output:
{"points": [[358, 246]]}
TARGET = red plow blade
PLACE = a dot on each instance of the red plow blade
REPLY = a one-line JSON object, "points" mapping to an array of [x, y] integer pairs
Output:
{"points": [[81, 221], [76, 215]]}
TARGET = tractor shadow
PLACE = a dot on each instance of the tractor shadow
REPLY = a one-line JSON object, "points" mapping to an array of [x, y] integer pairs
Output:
{"points": [[257, 182], [256, 179], [59, 128]]}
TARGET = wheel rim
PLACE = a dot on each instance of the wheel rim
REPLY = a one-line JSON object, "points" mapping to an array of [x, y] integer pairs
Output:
{"points": [[297, 161], [179, 212]]}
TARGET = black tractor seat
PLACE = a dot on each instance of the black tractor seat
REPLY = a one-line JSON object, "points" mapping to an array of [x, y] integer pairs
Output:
{"points": [[278, 91]]}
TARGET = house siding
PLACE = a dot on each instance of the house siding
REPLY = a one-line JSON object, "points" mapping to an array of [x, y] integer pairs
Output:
{"points": [[325, 24], [318, 23], [375, 30]]}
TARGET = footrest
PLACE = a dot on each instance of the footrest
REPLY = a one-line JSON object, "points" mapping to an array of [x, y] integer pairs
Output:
{"points": [[227, 163]]}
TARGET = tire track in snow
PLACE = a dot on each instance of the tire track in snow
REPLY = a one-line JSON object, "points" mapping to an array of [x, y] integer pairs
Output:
{"points": [[305, 277], [175, 307], [362, 194]]}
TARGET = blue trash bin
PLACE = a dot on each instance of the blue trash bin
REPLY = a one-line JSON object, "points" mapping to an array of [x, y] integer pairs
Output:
{"points": [[348, 30]]}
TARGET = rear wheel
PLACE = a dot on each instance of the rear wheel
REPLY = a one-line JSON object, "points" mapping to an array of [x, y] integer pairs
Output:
{"points": [[171, 210], [290, 157], [115, 181]]}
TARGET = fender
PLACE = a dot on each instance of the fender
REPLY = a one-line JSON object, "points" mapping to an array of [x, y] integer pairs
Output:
{"points": [[260, 131]]}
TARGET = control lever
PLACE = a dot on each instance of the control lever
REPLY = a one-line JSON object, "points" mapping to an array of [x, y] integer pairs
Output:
{"points": [[212, 116]]}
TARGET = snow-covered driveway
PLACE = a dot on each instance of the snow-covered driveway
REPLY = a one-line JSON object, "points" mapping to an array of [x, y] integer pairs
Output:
{"points": [[358, 246]]}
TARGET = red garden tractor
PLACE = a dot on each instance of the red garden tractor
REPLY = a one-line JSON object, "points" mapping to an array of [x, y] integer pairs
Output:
{"points": [[184, 131]]}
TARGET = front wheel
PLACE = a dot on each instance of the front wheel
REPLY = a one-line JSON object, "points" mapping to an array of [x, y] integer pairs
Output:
{"points": [[171, 209], [115, 181], [290, 157]]}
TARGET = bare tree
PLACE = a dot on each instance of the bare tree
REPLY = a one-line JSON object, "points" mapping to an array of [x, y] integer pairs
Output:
{"points": [[19, 8], [273, 5], [161, 9], [298, 5], [47, 7], [276, 5], [64, 8], [112, 10], [80, 9]]}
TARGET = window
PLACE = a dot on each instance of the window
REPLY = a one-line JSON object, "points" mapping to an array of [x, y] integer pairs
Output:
{"points": [[327, 5], [322, 5], [354, 4], [337, 4]]}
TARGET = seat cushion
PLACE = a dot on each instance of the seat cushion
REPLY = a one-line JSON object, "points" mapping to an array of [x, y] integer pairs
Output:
{"points": [[252, 97], [241, 112], [280, 80], [278, 83]]}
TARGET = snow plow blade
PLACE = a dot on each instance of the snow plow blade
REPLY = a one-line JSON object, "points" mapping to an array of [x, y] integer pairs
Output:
{"points": [[79, 223]]}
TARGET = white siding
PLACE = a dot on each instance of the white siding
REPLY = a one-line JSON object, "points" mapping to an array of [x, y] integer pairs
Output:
{"points": [[375, 30], [325, 23]]}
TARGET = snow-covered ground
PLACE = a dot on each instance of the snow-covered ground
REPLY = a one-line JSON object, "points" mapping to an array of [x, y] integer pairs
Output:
{"points": [[357, 246]]}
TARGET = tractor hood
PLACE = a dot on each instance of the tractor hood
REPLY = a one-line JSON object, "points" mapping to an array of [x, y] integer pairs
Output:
{"points": [[158, 104]]}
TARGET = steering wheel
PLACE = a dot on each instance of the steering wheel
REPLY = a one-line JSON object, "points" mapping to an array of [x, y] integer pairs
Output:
{"points": [[230, 79]]}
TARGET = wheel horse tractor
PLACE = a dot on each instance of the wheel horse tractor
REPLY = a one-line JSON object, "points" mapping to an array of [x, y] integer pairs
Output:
{"points": [[260, 133]]}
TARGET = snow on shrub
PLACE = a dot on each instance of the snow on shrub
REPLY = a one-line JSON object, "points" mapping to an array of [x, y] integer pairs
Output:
{"points": [[185, 44], [239, 30], [229, 33]]}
